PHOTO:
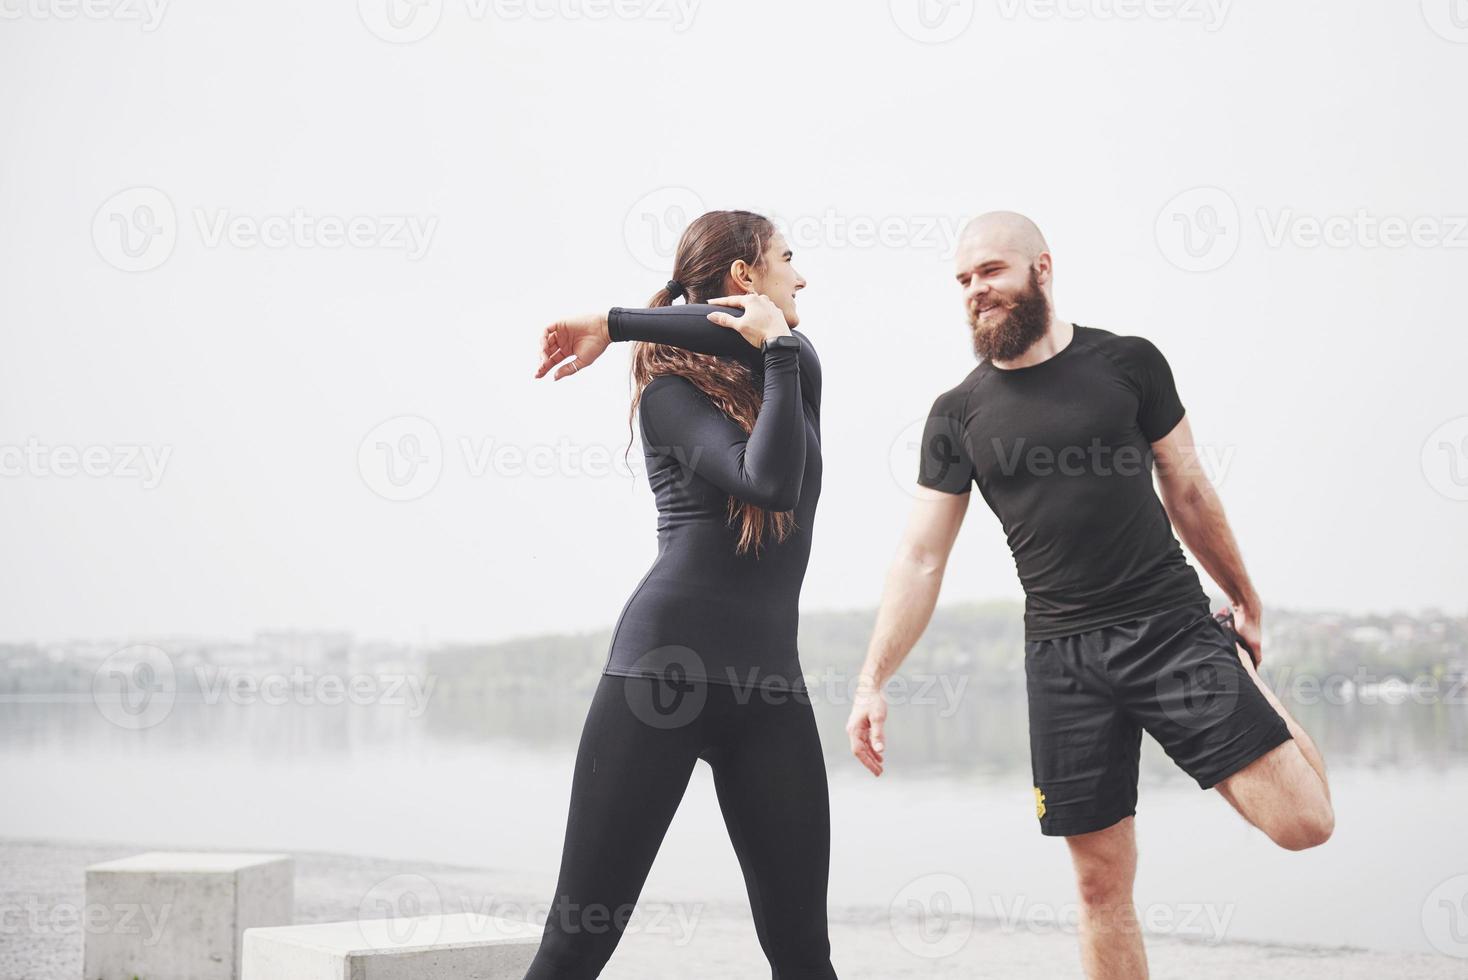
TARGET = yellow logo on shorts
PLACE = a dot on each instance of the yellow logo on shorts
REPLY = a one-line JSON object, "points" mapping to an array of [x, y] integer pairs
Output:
{"points": [[1039, 804]]}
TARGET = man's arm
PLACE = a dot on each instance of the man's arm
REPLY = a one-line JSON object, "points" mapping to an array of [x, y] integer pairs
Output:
{"points": [[908, 599], [1197, 514]]}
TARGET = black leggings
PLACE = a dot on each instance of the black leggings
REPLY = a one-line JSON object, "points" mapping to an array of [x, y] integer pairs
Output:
{"points": [[641, 741]]}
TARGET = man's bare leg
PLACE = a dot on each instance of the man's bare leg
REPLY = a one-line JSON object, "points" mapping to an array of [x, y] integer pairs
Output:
{"points": [[1106, 869], [1284, 792]]}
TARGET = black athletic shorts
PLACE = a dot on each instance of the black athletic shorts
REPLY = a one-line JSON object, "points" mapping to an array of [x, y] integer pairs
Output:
{"points": [[1175, 674]]}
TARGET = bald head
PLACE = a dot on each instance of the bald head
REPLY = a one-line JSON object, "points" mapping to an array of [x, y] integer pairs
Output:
{"points": [[1002, 250], [1005, 271], [1005, 231]]}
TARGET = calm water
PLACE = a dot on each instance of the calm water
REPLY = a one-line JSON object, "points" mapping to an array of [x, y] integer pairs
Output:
{"points": [[469, 784]]}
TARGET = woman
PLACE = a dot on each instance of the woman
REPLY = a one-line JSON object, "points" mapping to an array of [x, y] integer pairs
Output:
{"points": [[703, 661]]}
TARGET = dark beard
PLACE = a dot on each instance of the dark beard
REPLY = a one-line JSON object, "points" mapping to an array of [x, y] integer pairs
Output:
{"points": [[1018, 331]]}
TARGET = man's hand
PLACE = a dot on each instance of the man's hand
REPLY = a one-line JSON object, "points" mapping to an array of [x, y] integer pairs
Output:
{"points": [[866, 725], [581, 337], [1248, 623]]}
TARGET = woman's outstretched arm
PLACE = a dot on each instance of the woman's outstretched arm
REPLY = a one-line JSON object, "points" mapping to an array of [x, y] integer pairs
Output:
{"points": [[721, 329], [687, 326]]}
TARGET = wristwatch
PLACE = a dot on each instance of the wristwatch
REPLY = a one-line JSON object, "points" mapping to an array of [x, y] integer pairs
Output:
{"points": [[785, 342]]}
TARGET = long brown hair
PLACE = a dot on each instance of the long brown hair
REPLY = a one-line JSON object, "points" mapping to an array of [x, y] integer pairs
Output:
{"points": [[710, 245]]}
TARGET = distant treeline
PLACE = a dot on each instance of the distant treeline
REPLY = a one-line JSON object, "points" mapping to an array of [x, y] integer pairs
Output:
{"points": [[987, 640]]}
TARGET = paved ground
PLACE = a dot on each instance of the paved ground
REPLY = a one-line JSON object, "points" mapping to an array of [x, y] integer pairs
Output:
{"points": [[41, 882]]}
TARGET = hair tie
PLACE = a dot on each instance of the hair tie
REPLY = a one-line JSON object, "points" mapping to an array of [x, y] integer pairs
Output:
{"points": [[674, 288]]}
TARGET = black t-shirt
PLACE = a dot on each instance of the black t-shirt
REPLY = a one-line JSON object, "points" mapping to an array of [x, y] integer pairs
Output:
{"points": [[1061, 451]]}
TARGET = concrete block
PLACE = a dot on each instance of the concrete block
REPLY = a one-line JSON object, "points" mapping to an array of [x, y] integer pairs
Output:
{"points": [[169, 915], [460, 946]]}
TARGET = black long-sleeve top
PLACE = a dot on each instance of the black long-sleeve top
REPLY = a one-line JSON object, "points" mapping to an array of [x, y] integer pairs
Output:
{"points": [[703, 611]]}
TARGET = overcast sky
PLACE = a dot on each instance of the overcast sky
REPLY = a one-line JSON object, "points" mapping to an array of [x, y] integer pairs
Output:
{"points": [[246, 246]]}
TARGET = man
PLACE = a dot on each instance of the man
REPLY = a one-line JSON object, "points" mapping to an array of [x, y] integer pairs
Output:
{"points": [[1061, 427]]}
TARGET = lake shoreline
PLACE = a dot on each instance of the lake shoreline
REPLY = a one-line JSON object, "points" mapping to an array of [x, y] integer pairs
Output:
{"points": [[717, 937]]}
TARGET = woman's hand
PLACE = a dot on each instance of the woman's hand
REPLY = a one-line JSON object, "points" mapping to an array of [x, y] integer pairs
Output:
{"points": [[762, 319], [581, 337]]}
